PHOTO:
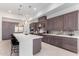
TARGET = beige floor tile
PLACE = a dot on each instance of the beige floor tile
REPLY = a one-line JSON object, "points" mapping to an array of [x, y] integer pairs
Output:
{"points": [[50, 50]]}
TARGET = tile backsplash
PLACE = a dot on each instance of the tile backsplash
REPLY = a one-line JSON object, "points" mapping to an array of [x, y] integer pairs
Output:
{"points": [[65, 32]]}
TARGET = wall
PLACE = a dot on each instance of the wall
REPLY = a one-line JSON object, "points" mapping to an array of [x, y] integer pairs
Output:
{"points": [[4, 14]]}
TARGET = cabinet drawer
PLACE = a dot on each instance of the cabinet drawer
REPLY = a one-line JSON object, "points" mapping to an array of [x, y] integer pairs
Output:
{"points": [[70, 47], [70, 41]]}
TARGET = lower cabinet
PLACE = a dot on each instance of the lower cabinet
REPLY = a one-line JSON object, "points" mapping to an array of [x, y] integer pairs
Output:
{"points": [[45, 39], [62, 42], [70, 44]]}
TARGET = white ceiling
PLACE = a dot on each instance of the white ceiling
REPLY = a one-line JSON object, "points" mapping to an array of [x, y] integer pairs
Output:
{"points": [[60, 8], [25, 10], [42, 8]]}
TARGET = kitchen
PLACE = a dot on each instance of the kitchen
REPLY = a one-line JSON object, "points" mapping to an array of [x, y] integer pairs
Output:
{"points": [[58, 28]]}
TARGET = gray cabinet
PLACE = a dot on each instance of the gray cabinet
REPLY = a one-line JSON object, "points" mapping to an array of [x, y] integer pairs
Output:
{"points": [[58, 23], [62, 42], [71, 21], [51, 24], [46, 39], [57, 41], [53, 40], [43, 24], [8, 28], [70, 44], [43, 18], [66, 22], [55, 23]]}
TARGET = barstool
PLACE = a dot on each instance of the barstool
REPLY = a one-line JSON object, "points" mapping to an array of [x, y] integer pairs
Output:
{"points": [[14, 45]]}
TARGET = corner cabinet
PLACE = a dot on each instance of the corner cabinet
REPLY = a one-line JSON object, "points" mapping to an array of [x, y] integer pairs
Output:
{"points": [[71, 21]]}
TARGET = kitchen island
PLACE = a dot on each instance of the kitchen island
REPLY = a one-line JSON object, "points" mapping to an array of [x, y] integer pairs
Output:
{"points": [[28, 44]]}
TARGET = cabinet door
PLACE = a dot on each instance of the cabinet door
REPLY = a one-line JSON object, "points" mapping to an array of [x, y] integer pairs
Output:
{"points": [[8, 28], [56, 23], [43, 18], [57, 41], [32, 26], [70, 44], [59, 23], [43, 24], [45, 39], [71, 21], [50, 39], [50, 24]]}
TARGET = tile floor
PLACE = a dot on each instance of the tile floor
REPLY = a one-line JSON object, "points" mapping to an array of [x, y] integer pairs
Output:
{"points": [[47, 50], [5, 48]]}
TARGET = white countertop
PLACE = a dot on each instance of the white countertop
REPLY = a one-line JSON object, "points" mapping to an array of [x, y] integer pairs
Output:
{"points": [[26, 43], [74, 36], [23, 37]]}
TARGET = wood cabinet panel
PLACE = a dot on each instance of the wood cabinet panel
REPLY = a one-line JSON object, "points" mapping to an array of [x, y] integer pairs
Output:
{"points": [[43, 18], [57, 41], [8, 28], [43, 24], [56, 23], [66, 22], [70, 44], [71, 21], [45, 39], [50, 24], [62, 42]]}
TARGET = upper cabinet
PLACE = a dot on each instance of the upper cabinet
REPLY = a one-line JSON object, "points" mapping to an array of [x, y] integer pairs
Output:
{"points": [[42, 22], [33, 27], [41, 25], [66, 22], [43, 18], [71, 21], [55, 23], [50, 24], [58, 23]]}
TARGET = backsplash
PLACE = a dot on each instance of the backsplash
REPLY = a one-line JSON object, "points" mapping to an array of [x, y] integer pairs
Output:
{"points": [[65, 32]]}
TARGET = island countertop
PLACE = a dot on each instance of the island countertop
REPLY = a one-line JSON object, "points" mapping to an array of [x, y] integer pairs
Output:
{"points": [[23, 37], [26, 43]]}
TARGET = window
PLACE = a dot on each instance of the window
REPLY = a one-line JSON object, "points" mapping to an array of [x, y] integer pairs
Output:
{"points": [[19, 28]]}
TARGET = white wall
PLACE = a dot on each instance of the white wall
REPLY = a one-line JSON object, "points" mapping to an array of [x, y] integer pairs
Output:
{"points": [[4, 14], [0, 28]]}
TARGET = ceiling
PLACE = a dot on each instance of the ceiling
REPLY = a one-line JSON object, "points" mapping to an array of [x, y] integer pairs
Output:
{"points": [[23, 9], [60, 8], [31, 10]]}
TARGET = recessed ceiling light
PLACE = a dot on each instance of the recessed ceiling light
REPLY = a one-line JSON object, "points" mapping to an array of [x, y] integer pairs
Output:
{"points": [[35, 9], [9, 11]]}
